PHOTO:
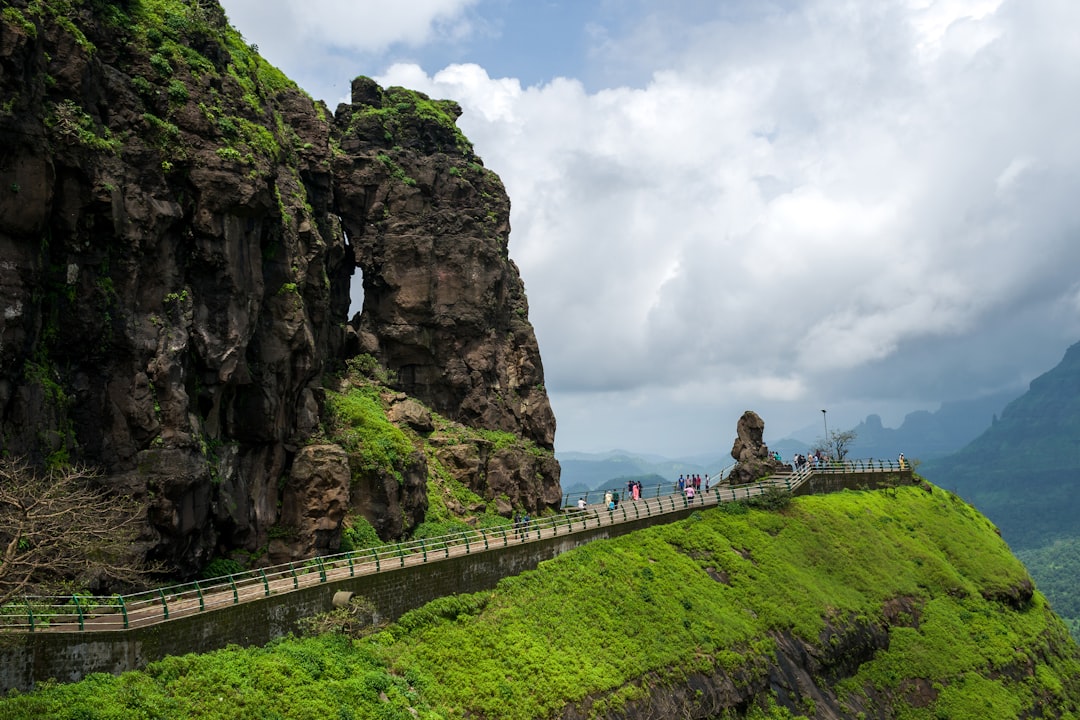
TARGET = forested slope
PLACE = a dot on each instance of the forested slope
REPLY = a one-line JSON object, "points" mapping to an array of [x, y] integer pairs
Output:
{"points": [[1023, 472]]}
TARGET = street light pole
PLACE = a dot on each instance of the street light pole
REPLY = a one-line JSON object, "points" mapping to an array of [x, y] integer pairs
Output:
{"points": [[825, 420]]}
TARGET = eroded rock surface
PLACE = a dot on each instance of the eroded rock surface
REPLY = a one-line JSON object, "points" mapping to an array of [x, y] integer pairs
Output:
{"points": [[752, 456], [178, 234]]}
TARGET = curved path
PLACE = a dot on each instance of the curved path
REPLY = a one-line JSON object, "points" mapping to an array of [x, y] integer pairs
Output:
{"points": [[122, 612]]}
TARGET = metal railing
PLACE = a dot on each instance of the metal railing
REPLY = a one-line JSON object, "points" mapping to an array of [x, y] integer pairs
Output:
{"points": [[120, 612]]}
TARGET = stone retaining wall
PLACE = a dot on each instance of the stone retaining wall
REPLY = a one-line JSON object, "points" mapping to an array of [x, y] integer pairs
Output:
{"points": [[30, 658]]}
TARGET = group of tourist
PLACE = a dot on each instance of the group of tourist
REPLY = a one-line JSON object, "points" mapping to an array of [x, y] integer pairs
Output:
{"points": [[816, 458], [522, 522], [691, 485]]}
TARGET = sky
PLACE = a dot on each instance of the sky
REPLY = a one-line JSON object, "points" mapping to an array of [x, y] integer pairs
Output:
{"points": [[784, 206]]}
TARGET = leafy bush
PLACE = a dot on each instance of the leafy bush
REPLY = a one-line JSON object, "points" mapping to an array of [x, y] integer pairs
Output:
{"points": [[220, 567], [358, 534], [360, 425], [771, 499]]}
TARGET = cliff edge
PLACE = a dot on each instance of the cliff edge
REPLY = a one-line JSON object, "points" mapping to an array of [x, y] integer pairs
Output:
{"points": [[179, 228]]}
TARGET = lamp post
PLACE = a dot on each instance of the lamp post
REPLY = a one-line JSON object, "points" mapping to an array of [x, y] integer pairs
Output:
{"points": [[825, 420]]}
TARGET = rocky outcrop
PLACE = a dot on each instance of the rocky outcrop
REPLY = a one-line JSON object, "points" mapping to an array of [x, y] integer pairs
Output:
{"points": [[800, 676], [752, 456], [807, 679], [179, 226], [444, 306]]}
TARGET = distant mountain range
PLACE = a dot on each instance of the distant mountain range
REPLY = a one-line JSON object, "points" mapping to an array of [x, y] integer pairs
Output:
{"points": [[922, 435], [583, 472], [1023, 472]]}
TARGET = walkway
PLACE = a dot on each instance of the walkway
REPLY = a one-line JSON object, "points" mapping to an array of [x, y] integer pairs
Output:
{"points": [[121, 612]]}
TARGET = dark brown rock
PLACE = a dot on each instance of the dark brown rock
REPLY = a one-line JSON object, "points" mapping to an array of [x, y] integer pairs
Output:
{"points": [[409, 412], [316, 500], [176, 251], [752, 456]]}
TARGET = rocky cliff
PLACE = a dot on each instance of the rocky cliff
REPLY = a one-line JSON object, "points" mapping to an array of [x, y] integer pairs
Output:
{"points": [[179, 228]]}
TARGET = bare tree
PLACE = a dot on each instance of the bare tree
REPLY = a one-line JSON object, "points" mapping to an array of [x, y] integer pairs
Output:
{"points": [[837, 445], [57, 528]]}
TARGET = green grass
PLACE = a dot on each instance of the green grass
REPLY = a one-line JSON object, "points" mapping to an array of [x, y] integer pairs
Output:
{"points": [[616, 620], [359, 424]]}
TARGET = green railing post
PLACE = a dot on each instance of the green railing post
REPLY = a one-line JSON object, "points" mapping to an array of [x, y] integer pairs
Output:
{"points": [[423, 547], [78, 609], [401, 553], [351, 571], [378, 567], [30, 614], [164, 605], [295, 580], [235, 591], [202, 601], [266, 584], [465, 535], [505, 540], [322, 568], [123, 609], [483, 534]]}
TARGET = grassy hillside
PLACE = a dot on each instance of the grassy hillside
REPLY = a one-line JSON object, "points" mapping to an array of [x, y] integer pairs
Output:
{"points": [[901, 603]]}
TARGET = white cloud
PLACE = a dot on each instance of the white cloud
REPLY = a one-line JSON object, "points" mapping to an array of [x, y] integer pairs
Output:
{"points": [[852, 189], [363, 25], [860, 206]]}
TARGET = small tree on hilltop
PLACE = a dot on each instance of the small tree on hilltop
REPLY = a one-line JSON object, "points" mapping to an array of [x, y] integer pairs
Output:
{"points": [[57, 528], [838, 444]]}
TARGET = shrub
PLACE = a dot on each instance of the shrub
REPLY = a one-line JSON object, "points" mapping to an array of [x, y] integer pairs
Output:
{"points": [[220, 567]]}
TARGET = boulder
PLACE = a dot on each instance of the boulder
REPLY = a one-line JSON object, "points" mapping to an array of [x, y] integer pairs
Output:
{"points": [[752, 456], [315, 501]]}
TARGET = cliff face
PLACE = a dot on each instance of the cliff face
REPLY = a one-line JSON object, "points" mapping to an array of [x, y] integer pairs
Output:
{"points": [[179, 226]]}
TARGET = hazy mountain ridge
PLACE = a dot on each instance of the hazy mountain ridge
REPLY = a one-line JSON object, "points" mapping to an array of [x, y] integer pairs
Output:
{"points": [[1022, 472], [598, 471]]}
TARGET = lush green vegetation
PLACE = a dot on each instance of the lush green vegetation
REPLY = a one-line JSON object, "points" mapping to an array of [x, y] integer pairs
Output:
{"points": [[1056, 568], [400, 109], [616, 620], [359, 424]]}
